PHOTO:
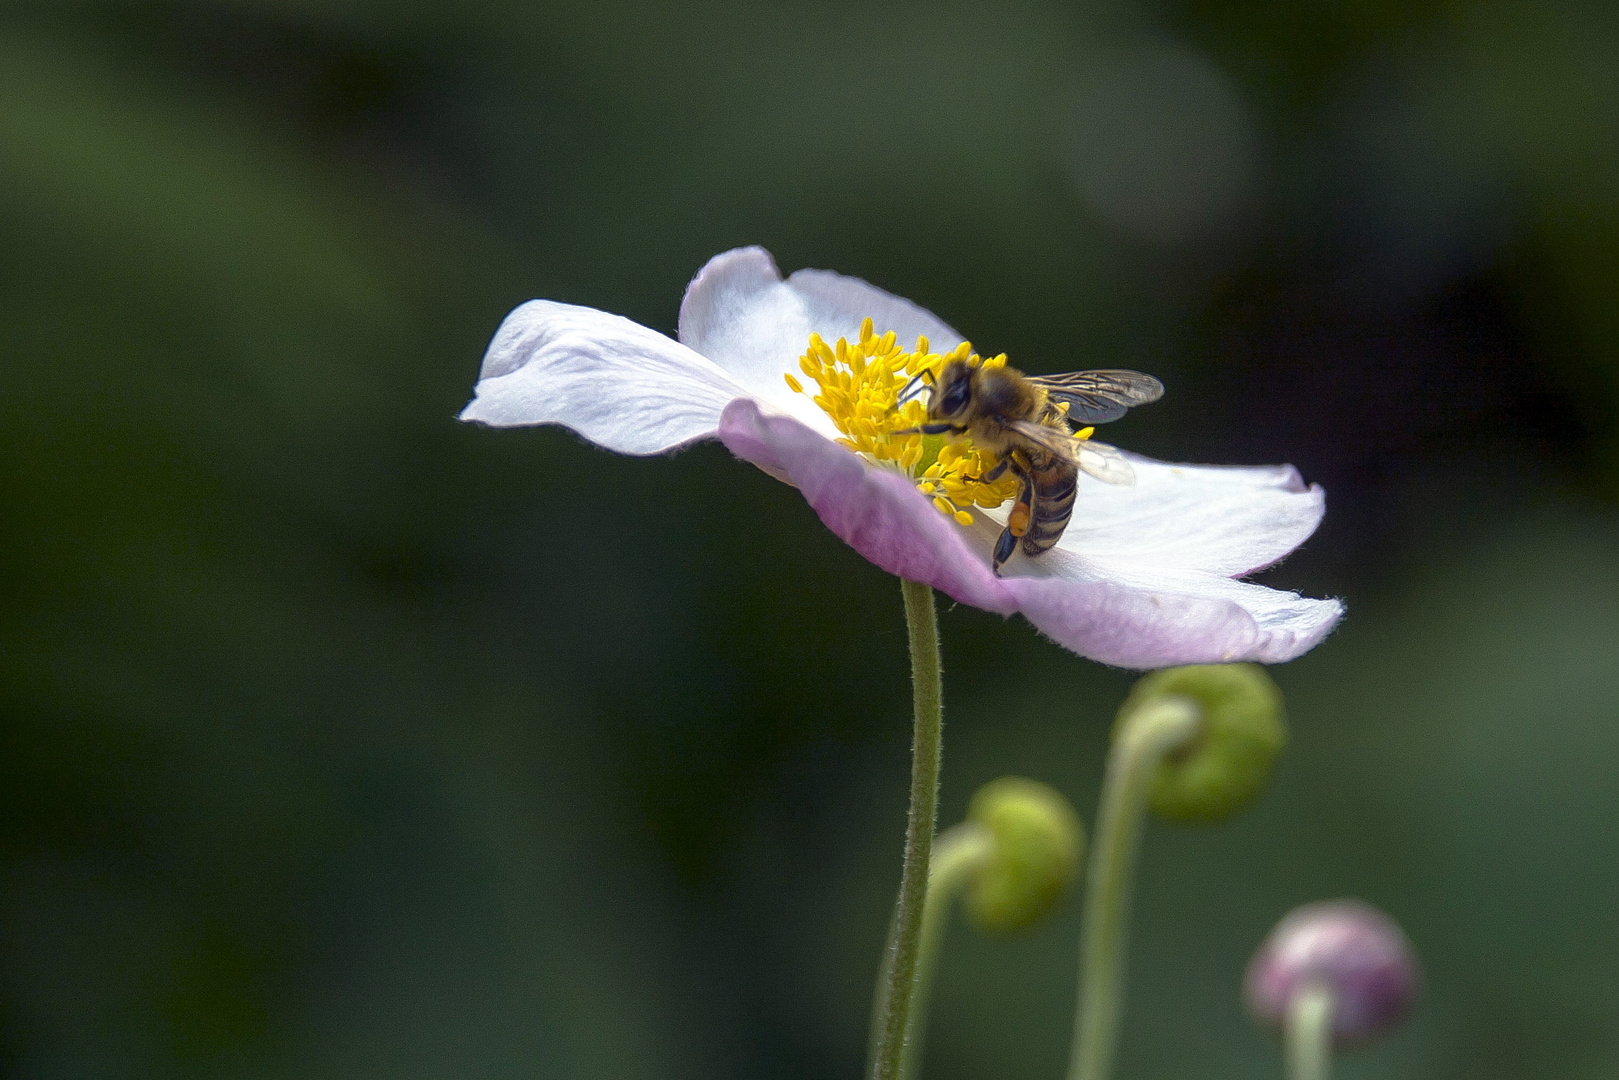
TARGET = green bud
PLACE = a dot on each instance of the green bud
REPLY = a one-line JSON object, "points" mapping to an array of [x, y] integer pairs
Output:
{"points": [[1230, 759], [1034, 857]]}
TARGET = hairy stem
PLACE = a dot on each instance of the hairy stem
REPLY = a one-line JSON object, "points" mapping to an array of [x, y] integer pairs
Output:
{"points": [[892, 1008]]}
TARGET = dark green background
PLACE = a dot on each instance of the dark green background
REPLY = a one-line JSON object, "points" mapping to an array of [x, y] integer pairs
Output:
{"points": [[340, 739]]}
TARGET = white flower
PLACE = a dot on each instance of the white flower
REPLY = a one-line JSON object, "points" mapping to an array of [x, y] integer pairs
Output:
{"points": [[1143, 577]]}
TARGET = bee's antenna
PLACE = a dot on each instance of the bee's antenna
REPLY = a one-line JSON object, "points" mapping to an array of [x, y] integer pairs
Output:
{"points": [[920, 381]]}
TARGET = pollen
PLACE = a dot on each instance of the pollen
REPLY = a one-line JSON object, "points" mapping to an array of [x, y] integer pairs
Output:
{"points": [[859, 386]]}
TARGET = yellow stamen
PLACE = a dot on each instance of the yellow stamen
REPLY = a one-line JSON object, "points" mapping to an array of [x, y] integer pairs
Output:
{"points": [[859, 387]]}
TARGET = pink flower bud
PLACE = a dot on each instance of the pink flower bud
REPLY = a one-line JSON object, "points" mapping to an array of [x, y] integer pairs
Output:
{"points": [[1348, 947]]}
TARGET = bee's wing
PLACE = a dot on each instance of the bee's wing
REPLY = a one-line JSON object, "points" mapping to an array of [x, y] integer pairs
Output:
{"points": [[1103, 462], [1097, 459], [1095, 397]]}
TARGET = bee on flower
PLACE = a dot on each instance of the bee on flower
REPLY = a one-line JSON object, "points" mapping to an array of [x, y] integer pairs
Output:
{"points": [[1138, 574], [999, 419]]}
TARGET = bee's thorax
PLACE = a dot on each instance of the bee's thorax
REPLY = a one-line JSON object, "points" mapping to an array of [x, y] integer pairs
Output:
{"points": [[1005, 394]]}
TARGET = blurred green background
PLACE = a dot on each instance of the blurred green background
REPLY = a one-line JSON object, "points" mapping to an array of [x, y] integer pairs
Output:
{"points": [[340, 739]]}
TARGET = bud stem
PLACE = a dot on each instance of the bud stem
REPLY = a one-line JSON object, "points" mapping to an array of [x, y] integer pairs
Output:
{"points": [[959, 852], [1308, 1033], [1157, 728], [891, 1010]]}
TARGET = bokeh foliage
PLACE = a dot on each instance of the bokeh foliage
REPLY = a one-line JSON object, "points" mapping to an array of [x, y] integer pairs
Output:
{"points": [[340, 739]]}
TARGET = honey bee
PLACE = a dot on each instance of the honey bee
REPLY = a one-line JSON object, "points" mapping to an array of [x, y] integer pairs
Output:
{"points": [[1021, 419]]}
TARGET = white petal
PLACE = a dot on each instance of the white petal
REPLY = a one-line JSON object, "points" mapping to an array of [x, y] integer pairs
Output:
{"points": [[739, 313], [837, 304], [1223, 520], [617, 383]]}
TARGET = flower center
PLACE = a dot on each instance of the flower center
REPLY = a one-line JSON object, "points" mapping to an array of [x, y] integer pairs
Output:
{"points": [[860, 385]]}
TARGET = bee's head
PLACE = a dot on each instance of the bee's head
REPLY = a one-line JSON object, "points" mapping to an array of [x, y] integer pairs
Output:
{"points": [[953, 392]]}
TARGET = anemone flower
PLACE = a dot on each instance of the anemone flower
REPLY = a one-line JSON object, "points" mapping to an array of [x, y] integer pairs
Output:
{"points": [[1145, 575]]}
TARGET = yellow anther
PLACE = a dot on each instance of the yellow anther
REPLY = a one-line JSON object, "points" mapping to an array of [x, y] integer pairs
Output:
{"points": [[1084, 433], [859, 386]]}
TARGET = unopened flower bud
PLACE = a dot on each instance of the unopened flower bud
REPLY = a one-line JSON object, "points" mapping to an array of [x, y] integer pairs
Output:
{"points": [[1230, 759], [1033, 859], [1347, 948]]}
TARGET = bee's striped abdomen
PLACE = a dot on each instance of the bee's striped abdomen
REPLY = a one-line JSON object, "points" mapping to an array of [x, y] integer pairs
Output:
{"points": [[1054, 483]]}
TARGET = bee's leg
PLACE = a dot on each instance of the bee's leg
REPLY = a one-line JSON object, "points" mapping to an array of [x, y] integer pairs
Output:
{"points": [[1017, 523], [1005, 544], [997, 472]]}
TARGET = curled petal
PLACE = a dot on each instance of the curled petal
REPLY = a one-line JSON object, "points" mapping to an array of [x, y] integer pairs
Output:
{"points": [[1134, 627], [742, 315], [1225, 520], [1277, 625], [617, 383], [1109, 610]]}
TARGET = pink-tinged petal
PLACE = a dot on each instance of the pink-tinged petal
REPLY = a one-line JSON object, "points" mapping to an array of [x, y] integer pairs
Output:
{"points": [[1116, 613], [1135, 627], [878, 512], [740, 313], [1227, 520], [1280, 625], [614, 381]]}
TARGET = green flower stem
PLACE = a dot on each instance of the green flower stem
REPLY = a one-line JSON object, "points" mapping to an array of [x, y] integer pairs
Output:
{"points": [[1308, 1034], [1159, 727], [960, 851], [893, 1006]]}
